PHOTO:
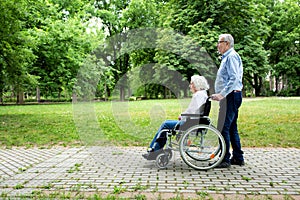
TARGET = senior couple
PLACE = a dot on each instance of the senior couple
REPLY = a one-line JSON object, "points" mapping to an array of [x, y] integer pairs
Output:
{"points": [[228, 87]]}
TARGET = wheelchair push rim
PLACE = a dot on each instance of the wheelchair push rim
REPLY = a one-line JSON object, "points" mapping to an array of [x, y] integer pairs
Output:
{"points": [[202, 147]]}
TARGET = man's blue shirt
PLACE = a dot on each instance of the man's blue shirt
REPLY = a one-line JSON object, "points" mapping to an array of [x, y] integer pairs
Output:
{"points": [[230, 73]]}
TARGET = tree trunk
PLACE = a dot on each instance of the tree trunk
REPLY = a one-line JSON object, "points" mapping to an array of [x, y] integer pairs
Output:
{"points": [[145, 90], [257, 85], [38, 95], [74, 97], [20, 97], [122, 93], [185, 93], [129, 92], [123, 82], [108, 92], [276, 85]]}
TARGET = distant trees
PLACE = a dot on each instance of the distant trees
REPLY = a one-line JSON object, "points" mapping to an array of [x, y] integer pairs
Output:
{"points": [[45, 43], [283, 46], [16, 49]]}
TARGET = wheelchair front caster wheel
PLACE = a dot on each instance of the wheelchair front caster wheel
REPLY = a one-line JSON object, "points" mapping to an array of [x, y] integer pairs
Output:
{"points": [[169, 153], [162, 160]]}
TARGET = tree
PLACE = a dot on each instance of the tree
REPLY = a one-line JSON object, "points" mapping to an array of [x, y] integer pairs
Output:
{"points": [[248, 24], [119, 18], [205, 20], [45, 44], [283, 44], [110, 12], [143, 15], [64, 44], [16, 48]]}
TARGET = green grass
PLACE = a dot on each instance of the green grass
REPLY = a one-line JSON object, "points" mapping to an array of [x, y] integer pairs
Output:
{"points": [[37, 125], [263, 122], [270, 122]]}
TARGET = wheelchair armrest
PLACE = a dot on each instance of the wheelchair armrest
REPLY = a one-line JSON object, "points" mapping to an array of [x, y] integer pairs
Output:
{"points": [[197, 119], [191, 115]]}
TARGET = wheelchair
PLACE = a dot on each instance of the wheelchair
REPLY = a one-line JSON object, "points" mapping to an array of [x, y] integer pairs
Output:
{"points": [[200, 144]]}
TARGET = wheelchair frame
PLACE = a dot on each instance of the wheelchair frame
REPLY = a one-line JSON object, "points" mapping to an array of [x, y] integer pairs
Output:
{"points": [[201, 145]]}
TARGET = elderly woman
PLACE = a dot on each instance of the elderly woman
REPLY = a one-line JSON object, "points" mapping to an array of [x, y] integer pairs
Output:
{"points": [[198, 86]]}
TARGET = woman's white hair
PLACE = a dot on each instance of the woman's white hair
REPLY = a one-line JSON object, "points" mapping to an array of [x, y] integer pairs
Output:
{"points": [[200, 82]]}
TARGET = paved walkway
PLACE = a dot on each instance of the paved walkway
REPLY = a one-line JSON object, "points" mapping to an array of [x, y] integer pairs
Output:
{"points": [[122, 171]]}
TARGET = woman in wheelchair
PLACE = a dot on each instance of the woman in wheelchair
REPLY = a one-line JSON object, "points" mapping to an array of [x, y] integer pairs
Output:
{"points": [[198, 86]]}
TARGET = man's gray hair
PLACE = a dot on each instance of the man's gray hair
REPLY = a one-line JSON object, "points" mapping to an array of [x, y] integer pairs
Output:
{"points": [[200, 82], [228, 38]]}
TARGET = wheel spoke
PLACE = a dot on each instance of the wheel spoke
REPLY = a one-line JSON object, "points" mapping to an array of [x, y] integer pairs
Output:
{"points": [[200, 147]]}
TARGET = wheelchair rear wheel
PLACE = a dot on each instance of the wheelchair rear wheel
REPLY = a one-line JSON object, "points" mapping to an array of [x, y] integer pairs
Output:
{"points": [[202, 147]]}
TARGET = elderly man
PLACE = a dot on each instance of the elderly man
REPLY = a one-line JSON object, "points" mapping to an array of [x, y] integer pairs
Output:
{"points": [[228, 86]]}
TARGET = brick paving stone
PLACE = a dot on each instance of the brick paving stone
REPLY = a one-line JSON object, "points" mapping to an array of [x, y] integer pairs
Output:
{"points": [[102, 168]]}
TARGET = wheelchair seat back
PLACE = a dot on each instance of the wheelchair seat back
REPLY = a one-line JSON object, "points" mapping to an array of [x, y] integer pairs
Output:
{"points": [[196, 119], [207, 107]]}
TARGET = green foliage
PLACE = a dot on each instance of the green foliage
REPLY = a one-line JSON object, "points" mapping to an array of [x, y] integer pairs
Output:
{"points": [[45, 46], [44, 43], [140, 14], [75, 168], [19, 186], [15, 46], [245, 20], [246, 178], [283, 44], [64, 45], [119, 189]]}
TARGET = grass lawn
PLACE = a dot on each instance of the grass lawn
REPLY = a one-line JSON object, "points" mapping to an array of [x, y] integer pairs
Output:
{"points": [[263, 122]]}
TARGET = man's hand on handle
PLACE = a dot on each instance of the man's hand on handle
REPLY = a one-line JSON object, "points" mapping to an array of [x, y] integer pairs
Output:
{"points": [[217, 97]]}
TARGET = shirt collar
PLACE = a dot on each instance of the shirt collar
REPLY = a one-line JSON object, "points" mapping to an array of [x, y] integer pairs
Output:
{"points": [[226, 53]]}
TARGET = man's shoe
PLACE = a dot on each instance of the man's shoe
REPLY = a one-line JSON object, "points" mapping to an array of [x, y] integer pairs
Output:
{"points": [[224, 165], [234, 161]]}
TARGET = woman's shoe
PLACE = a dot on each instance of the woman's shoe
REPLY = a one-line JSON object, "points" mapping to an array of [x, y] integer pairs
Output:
{"points": [[151, 155]]}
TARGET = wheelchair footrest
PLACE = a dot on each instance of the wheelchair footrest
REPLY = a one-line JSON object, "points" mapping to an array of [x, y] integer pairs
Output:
{"points": [[152, 154]]}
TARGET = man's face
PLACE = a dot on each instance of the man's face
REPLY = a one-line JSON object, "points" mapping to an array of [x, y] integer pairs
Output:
{"points": [[222, 45]]}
